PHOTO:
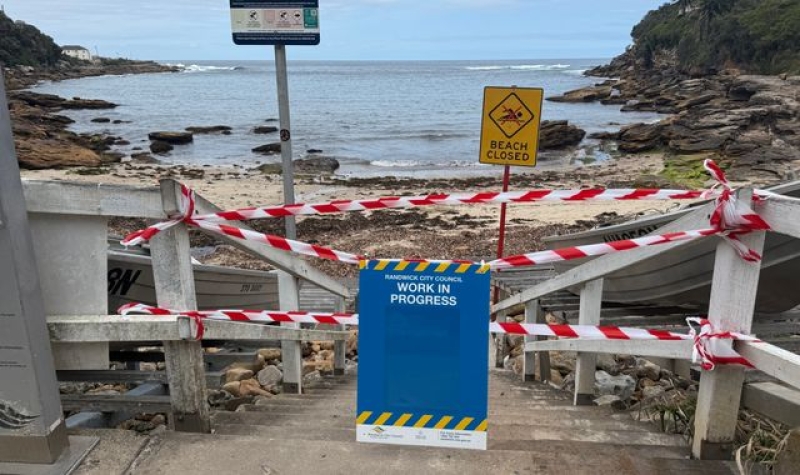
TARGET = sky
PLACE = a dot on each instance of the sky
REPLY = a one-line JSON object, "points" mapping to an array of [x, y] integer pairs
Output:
{"points": [[350, 29]]}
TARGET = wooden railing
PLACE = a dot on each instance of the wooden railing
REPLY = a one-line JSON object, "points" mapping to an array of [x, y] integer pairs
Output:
{"points": [[731, 308], [55, 202]]}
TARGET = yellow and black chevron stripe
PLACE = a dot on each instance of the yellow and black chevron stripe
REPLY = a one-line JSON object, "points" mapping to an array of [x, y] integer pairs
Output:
{"points": [[423, 421], [445, 267]]}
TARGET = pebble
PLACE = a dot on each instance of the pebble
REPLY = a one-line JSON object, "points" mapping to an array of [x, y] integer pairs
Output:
{"points": [[270, 353], [270, 376], [238, 374], [620, 385]]}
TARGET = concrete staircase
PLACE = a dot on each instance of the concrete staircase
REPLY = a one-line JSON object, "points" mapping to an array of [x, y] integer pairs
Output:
{"points": [[532, 429]]}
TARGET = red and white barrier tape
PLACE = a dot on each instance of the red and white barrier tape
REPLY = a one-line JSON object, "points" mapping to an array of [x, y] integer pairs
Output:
{"points": [[712, 347], [578, 252], [252, 316], [730, 219], [401, 202], [391, 202], [709, 349]]}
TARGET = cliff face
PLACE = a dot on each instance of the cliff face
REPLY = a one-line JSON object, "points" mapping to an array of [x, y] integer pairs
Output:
{"points": [[700, 37], [24, 45]]}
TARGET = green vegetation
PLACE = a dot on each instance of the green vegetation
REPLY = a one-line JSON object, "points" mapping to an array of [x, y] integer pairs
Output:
{"points": [[24, 45], [759, 36], [687, 170]]}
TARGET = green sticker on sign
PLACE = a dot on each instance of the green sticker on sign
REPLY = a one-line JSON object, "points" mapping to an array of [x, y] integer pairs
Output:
{"points": [[310, 18]]}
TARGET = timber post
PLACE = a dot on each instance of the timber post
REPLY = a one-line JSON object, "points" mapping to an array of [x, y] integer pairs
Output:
{"points": [[174, 282], [535, 314], [591, 304], [291, 351], [340, 347], [733, 298]]}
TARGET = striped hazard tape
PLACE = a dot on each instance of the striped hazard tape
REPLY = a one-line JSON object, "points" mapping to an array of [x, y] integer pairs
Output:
{"points": [[422, 421], [422, 265], [709, 344]]}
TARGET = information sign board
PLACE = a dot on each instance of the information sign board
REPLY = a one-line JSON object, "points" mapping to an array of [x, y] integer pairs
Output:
{"points": [[271, 22], [423, 355]]}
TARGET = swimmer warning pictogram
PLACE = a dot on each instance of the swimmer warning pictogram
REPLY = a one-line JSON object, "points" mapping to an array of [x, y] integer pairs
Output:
{"points": [[511, 115], [510, 130]]}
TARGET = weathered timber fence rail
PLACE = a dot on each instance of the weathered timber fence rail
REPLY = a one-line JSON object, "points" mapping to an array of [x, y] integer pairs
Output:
{"points": [[70, 215], [731, 308]]}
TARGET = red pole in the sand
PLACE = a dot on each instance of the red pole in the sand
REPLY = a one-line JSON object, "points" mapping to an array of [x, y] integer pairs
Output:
{"points": [[502, 239]]}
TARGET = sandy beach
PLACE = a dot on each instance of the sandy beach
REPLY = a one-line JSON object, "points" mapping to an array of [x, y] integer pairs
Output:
{"points": [[441, 232]]}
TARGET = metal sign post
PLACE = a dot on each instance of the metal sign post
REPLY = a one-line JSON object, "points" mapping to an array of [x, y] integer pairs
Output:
{"points": [[286, 136], [510, 136], [32, 427], [281, 23]]}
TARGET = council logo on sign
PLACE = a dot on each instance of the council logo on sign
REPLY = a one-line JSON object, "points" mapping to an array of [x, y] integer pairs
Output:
{"points": [[511, 115]]}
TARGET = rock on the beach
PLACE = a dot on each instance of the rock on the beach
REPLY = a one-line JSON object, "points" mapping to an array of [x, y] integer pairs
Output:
{"points": [[555, 134], [36, 154], [216, 397], [174, 138], [352, 343], [237, 374], [251, 387], [586, 94], [270, 168], [611, 400], [232, 388], [270, 376], [651, 392], [265, 129], [317, 165], [144, 157], [101, 120], [621, 385], [160, 147], [77, 103], [52, 101], [268, 149], [270, 353], [646, 369], [640, 137], [211, 129]]}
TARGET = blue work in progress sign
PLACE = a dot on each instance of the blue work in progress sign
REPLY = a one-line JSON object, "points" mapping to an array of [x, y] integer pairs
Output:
{"points": [[271, 22], [423, 354]]}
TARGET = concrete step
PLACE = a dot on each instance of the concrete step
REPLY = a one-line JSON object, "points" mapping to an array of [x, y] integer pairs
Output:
{"points": [[348, 420], [516, 424], [180, 452], [344, 430], [539, 411]]}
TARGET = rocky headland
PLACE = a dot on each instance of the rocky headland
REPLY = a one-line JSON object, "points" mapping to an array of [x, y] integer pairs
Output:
{"points": [[727, 78], [41, 133], [749, 123]]}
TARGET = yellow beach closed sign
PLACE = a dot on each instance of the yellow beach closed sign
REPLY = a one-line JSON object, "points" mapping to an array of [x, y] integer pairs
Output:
{"points": [[510, 127]]}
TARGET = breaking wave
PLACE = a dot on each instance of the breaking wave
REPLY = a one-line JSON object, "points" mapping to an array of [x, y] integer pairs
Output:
{"points": [[520, 67], [196, 68]]}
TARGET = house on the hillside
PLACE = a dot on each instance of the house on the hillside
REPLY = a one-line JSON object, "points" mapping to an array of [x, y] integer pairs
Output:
{"points": [[78, 52]]}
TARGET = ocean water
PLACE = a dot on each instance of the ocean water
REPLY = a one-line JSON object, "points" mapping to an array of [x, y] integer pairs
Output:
{"points": [[376, 117]]}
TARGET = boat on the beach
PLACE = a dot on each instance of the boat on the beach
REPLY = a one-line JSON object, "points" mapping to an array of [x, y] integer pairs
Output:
{"points": [[683, 278], [130, 279]]}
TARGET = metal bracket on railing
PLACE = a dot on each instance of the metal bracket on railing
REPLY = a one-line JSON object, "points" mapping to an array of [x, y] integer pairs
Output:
{"points": [[185, 330]]}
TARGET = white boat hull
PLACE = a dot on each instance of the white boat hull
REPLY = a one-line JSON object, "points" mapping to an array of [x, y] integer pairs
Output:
{"points": [[683, 278], [130, 279]]}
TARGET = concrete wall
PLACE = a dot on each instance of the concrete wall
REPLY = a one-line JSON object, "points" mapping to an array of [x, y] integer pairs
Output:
{"points": [[71, 258]]}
